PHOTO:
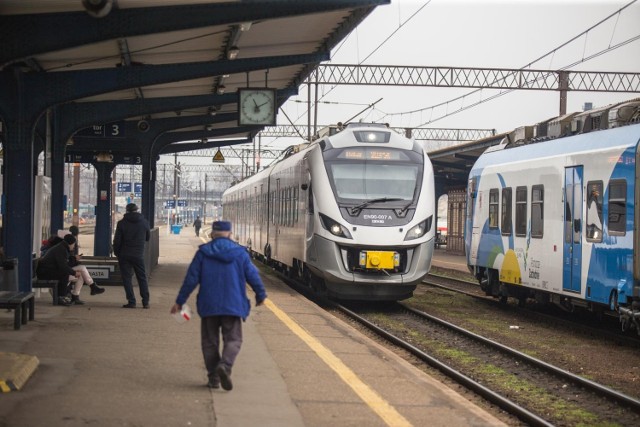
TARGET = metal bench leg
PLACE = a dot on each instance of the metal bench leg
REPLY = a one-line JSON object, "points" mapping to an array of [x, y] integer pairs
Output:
{"points": [[17, 317], [25, 312], [32, 307]]}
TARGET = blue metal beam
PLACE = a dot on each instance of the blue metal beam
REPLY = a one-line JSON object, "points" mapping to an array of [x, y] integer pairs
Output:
{"points": [[179, 148], [47, 89], [160, 145], [27, 35], [136, 141], [89, 113]]}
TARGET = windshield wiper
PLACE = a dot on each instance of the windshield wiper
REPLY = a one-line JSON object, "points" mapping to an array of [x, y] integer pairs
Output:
{"points": [[404, 209], [356, 209]]}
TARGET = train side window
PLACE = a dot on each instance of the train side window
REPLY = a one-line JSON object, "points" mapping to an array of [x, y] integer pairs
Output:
{"points": [[594, 211], [617, 218], [493, 208], [310, 193], [537, 211], [521, 211], [505, 219]]}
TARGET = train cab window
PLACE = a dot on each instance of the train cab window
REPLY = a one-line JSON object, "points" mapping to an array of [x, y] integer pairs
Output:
{"points": [[521, 211], [594, 211], [617, 218], [537, 211], [505, 218], [493, 208]]}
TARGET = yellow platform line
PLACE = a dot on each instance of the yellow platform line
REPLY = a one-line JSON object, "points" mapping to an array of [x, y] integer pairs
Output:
{"points": [[380, 406]]}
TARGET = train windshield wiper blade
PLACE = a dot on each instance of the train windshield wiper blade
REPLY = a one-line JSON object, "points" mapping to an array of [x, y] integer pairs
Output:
{"points": [[356, 209], [404, 209]]}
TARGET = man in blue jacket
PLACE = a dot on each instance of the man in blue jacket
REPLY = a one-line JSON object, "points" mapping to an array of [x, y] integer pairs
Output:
{"points": [[222, 268]]}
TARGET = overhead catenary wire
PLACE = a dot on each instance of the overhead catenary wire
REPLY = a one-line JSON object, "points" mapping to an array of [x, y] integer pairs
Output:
{"points": [[550, 53], [402, 24]]}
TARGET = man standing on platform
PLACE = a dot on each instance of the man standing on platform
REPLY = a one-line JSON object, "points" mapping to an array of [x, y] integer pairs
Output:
{"points": [[197, 224], [222, 268], [132, 233]]}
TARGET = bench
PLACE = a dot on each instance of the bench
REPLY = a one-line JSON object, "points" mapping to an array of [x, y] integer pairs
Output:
{"points": [[22, 303], [44, 283]]}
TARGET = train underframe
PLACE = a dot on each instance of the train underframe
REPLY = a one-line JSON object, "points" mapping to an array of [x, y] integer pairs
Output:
{"points": [[629, 314], [361, 291]]}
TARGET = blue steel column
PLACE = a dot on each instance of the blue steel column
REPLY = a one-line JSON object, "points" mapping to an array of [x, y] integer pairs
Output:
{"points": [[102, 240], [57, 174], [152, 193], [146, 196], [18, 190]]}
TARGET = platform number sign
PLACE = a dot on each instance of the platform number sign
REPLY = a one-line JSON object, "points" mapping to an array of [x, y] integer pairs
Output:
{"points": [[107, 130]]}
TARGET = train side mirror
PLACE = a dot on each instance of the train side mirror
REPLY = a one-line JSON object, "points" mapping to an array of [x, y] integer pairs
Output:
{"points": [[304, 187]]}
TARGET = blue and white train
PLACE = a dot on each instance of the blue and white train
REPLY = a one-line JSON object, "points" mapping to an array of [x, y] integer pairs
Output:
{"points": [[555, 217], [351, 213]]}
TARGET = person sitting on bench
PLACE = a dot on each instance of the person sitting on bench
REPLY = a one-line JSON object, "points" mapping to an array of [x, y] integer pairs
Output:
{"points": [[54, 265]]}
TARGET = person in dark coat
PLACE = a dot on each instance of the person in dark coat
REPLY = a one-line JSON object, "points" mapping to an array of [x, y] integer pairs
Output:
{"points": [[132, 233], [54, 265], [222, 268], [197, 224]]}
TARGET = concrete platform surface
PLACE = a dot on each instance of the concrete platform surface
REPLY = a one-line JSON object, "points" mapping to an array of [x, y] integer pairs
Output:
{"points": [[103, 365]]}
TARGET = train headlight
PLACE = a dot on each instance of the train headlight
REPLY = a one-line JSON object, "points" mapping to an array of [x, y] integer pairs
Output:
{"points": [[334, 227], [419, 230]]}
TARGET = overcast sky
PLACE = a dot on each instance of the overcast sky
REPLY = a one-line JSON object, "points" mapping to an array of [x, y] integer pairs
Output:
{"points": [[475, 33]]}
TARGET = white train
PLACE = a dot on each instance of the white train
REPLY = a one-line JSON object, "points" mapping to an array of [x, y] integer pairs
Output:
{"points": [[557, 220], [351, 213]]}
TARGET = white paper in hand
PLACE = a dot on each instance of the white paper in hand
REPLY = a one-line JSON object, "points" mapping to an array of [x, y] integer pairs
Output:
{"points": [[183, 315]]}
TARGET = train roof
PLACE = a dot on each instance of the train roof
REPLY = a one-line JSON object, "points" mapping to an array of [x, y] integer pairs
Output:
{"points": [[626, 136]]}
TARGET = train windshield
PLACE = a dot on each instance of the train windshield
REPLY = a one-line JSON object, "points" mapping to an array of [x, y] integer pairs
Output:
{"points": [[365, 174]]}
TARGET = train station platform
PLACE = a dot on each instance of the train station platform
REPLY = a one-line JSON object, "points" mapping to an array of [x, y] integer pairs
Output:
{"points": [[449, 261], [101, 365]]}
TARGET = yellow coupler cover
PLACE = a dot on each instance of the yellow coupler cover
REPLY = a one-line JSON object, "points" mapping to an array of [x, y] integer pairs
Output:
{"points": [[380, 259], [15, 370]]}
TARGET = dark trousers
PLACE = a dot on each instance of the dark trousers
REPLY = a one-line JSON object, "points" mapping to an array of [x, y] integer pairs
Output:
{"points": [[129, 265], [197, 231], [231, 328]]}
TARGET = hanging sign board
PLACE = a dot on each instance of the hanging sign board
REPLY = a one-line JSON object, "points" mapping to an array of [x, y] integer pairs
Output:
{"points": [[218, 157]]}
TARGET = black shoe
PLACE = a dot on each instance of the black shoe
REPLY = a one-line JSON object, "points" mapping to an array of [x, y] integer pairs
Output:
{"points": [[75, 299], [129, 305], [95, 289], [64, 301], [213, 383], [225, 377], [146, 306]]}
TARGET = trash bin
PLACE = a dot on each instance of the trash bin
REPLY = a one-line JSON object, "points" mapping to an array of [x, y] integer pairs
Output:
{"points": [[175, 229], [9, 275]]}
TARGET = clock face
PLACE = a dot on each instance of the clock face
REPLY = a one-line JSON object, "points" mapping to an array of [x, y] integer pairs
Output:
{"points": [[257, 106]]}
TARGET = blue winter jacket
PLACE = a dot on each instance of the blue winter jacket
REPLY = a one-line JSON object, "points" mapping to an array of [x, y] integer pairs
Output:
{"points": [[222, 268]]}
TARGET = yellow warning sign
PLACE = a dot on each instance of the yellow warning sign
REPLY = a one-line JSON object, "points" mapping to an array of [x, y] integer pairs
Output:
{"points": [[218, 157]]}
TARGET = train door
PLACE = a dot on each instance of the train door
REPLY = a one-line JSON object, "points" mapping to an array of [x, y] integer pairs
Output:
{"points": [[261, 217], [278, 216], [572, 241]]}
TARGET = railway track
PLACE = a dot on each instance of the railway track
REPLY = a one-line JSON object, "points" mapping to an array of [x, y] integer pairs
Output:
{"points": [[530, 389], [535, 392], [606, 327]]}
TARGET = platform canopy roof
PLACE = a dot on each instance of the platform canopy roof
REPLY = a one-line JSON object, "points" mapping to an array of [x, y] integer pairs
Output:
{"points": [[194, 47]]}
